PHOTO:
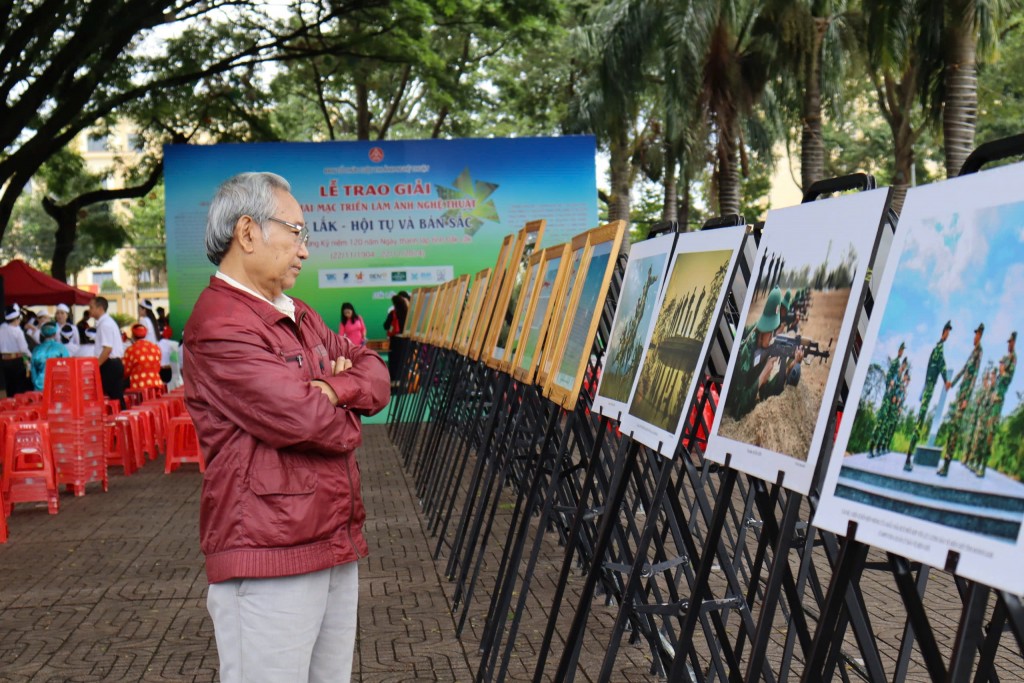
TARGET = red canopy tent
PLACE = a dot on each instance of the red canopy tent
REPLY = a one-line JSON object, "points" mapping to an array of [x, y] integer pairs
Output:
{"points": [[25, 285]]}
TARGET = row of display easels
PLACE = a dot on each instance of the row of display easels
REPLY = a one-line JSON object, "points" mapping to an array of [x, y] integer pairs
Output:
{"points": [[704, 576]]}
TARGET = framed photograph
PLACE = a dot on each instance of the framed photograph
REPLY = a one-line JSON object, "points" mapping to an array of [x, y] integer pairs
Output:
{"points": [[436, 299], [429, 297], [415, 315], [480, 331], [928, 457], [473, 304], [553, 271], [442, 312], [675, 345], [508, 297], [556, 321], [458, 307], [584, 314], [641, 287], [784, 371], [518, 320]]}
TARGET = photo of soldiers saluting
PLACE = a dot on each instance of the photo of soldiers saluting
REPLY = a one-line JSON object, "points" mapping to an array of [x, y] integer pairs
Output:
{"points": [[936, 368], [990, 408], [966, 377]]}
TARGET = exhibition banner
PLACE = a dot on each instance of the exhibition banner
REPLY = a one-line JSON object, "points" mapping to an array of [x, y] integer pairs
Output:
{"points": [[385, 216]]}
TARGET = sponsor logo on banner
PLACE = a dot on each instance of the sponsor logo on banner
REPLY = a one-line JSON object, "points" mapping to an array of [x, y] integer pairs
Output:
{"points": [[376, 155], [371, 277]]}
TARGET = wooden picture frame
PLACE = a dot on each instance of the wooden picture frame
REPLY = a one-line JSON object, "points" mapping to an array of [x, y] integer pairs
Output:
{"points": [[429, 296], [415, 315], [479, 332], [438, 318], [469, 318], [457, 305], [583, 315], [527, 241], [522, 306], [533, 368]]}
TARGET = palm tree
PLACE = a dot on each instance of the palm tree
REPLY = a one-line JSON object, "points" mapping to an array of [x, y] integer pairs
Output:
{"points": [[711, 69], [891, 33], [813, 40], [954, 34], [734, 70]]}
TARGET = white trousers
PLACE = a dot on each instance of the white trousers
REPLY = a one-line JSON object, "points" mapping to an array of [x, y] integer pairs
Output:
{"points": [[291, 629]]}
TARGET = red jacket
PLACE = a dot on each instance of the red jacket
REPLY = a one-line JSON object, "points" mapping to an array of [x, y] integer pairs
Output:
{"points": [[281, 491]]}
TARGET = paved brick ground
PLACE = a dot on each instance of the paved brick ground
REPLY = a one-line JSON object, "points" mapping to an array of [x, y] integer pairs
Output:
{"points": [[112, 589]]}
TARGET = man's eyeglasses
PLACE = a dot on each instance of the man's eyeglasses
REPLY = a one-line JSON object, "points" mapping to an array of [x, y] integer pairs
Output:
{"points": [[301, 232]]}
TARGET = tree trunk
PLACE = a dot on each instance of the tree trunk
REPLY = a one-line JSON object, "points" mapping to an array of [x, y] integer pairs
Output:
{"points": [[728, 169], [900, 100], [960, 109], [670, 208], [67, 235], [362, 109], [684, 200], [618, 203], [812, 144]]}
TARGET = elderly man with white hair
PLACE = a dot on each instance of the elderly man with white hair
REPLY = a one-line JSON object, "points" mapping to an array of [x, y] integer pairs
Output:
{"points": [[276, 397]]}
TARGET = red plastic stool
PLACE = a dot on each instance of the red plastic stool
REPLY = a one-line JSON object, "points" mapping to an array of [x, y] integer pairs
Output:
{"points": [[160, 419], [130, 439], [184, 445], [3, 519], [117, 445], [30, 474], [149, 427], [133, 397]]}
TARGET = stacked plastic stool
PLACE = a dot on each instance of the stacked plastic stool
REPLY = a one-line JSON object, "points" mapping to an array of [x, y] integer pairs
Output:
{"points": [[3, 517], [183, 445], [74, 406], [30, 473]]}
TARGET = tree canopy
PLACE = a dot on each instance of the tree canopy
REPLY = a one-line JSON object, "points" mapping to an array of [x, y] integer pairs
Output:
{"points": [[696, 98]]}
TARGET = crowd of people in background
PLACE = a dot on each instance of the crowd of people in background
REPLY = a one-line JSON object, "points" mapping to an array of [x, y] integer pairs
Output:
{"points": [[29, 338], [148, 356]]}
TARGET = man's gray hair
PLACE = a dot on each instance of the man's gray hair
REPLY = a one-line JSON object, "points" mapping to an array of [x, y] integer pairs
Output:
{"points": [[246, 194]]}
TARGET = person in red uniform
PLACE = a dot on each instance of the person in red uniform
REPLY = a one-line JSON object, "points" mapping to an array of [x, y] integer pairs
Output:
{"points": [[142, 360]]}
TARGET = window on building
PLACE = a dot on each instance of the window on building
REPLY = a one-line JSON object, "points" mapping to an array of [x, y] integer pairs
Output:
{"points": [[101, 276], [97, 143]]}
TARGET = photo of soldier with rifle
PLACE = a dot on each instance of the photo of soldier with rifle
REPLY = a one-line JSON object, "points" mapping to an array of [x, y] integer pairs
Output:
{"points": [[786, 347]]}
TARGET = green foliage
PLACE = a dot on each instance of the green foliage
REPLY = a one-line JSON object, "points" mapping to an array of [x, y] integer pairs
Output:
{"points": [[123, 319], [147, 235], [1008, 444], [1000, 90], [863, 428], [110, 286], [32, 236]]}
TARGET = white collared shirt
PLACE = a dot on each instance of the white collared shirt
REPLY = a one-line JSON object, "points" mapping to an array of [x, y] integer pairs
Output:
{"points": [[12, 339], [108, 334], [150, 329], [282, 303]]}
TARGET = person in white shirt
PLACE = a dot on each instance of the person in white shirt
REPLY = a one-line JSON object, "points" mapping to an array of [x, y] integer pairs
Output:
{"points": [[14, 352], [68, 336], [148, 318], [170, 363], [87, 349], [63, 316], [109, 349], [41, 320]]}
